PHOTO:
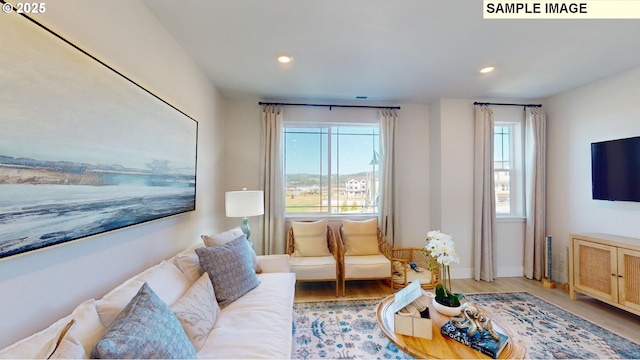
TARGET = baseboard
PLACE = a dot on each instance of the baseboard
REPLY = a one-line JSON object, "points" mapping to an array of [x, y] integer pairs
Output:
{"points": [[506, 271]]}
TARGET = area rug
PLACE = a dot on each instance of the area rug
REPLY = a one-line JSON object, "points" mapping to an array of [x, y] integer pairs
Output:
{"points": [[348, 329]]}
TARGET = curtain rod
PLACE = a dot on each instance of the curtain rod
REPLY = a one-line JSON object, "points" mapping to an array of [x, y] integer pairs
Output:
{"points": [[502, 104], [330, 106]]}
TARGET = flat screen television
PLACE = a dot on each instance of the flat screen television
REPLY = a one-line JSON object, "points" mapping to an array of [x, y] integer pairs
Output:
{"points": [[615, 169]]}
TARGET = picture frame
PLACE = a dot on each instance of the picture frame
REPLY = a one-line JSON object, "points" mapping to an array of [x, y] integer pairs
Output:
{"points": [[84, 150]]}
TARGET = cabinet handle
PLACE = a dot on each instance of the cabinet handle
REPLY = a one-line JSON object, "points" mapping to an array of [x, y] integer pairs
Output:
{"points": [[619, 276]]}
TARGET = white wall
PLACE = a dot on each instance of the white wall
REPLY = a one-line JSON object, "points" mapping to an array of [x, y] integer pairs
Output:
{"points": [[39, 287], [243, 132], [451, 172], [434, 173], [607, 109]]}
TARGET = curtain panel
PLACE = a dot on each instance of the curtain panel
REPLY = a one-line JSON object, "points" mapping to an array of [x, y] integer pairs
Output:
{"points": [[272, 181], [388, 119], [484, 210], [535, 193]]}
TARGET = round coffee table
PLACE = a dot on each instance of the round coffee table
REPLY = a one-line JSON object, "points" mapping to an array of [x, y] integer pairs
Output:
{"points": [[441, 347]]}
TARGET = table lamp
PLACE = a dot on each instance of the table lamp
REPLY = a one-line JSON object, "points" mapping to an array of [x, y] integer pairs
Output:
{"points": [[244, 204]]}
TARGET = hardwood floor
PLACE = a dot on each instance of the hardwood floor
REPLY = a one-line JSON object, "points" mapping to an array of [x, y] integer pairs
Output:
{"points": [[607, 316]]}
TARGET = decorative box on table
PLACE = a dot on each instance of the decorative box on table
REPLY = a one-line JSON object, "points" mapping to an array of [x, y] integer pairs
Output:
{"points": [[416, 322]]}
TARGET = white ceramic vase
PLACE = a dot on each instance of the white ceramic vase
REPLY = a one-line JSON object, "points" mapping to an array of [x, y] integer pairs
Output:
{"points": [[446, 310]]}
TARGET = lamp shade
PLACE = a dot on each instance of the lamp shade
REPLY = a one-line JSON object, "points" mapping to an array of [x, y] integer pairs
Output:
{"points": [[244, 203]]}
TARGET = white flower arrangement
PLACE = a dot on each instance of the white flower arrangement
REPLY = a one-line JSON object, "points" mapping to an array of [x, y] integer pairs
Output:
{"points": [[442, 248]]}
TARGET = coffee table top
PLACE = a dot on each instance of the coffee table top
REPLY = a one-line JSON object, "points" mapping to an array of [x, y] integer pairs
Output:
{"points": [[442, 347]]}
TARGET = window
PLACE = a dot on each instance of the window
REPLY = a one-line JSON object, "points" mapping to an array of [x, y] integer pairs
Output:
{"points": [[507, 169], [331, 169]]}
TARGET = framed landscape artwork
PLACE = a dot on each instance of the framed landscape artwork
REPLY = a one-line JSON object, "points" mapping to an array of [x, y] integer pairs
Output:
{"points": [[83, 149]]}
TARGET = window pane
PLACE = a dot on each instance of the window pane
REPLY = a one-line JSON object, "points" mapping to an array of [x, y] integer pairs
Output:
{"points": [[349, 154], [502, 147], [503, 191], [306, 169], [355, 169]]}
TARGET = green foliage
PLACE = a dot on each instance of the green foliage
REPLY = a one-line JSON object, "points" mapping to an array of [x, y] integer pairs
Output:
{"points": [[440, 293], [446, 297]]}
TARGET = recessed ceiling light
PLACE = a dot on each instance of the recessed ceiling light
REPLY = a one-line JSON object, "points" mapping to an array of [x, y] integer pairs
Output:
{"points": [[284, 58], [487, 69]]}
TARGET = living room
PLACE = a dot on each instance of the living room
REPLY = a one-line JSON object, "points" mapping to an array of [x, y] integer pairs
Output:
{"points": [[436, 151]]}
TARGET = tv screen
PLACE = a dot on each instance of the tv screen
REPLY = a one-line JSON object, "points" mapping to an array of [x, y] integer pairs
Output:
{"points": [[615, 169]]}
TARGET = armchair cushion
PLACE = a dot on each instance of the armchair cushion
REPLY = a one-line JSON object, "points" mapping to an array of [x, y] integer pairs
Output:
{"points": [[367, 267], [361, 237], [314, 267], [310, 238]]}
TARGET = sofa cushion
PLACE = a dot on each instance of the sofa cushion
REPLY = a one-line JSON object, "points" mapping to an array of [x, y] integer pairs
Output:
{"points": [[230, 269], [257, 325], [230, 235], [88, 328], [43, 343], [168, 282], [39, 345], [187, 261], [146, 328], [361, 237], [197, 311], [69, 346], [310, 238]]}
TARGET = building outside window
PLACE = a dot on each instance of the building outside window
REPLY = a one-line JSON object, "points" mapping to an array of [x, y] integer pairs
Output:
{"points": [[331, 169]]}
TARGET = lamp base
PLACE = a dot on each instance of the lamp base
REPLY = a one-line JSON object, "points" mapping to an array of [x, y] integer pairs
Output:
{"points": [[246, 229]]}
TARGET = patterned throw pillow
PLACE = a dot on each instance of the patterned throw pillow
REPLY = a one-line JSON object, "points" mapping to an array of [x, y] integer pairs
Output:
{"points": [[146, 328], [310, 238], [361, 237], [197, 311], [230, 235], [230, 269]]}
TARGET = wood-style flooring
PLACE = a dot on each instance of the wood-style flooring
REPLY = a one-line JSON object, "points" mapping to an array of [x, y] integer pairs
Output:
{"points": [[609, 317]]}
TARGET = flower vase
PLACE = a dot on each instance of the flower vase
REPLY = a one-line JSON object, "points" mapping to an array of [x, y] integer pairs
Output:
{"points": [[446, 310]]}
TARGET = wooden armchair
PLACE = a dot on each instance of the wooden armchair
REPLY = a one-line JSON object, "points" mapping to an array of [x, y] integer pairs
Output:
{"points": [[359, 263], [310, 260], [403, 274]]}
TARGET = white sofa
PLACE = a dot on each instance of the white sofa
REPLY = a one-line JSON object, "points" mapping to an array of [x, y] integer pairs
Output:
{"points": [[256, 325]]}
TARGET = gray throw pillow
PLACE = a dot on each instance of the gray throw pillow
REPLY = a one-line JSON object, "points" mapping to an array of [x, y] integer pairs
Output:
{"points": [[145, 329], [230, 268]]}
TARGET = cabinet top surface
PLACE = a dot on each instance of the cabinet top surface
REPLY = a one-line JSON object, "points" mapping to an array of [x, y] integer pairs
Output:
{"points": [[609, 239]]}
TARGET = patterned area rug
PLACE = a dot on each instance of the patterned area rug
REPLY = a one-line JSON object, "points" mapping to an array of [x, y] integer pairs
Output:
{"points": [[347, 329]]}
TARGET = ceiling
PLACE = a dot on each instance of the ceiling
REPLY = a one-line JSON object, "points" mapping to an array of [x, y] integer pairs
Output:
{"points": [[412, 51]]}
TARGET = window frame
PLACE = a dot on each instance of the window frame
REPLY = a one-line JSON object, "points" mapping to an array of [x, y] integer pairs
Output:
{"points": [[330, 133]]}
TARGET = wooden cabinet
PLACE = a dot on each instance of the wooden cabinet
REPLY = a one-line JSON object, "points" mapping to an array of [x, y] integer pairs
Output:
{"points": [[607, 268]]}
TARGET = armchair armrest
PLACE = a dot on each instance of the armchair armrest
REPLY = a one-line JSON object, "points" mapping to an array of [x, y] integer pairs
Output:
{"points": [[274, 263]]}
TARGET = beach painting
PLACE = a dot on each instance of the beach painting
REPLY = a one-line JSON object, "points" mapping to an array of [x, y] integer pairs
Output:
{"points": [[83, 149]]}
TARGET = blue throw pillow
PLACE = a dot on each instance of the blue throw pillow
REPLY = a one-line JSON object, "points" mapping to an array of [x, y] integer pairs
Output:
{"points": [[146, 328], [230, 268]]}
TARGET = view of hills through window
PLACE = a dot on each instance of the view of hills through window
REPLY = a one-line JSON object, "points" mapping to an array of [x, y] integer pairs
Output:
{"points": [[332, 169]]}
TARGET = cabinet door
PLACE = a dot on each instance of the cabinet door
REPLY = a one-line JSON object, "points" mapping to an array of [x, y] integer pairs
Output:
{"points": [[629, 278], [595, 270]]}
